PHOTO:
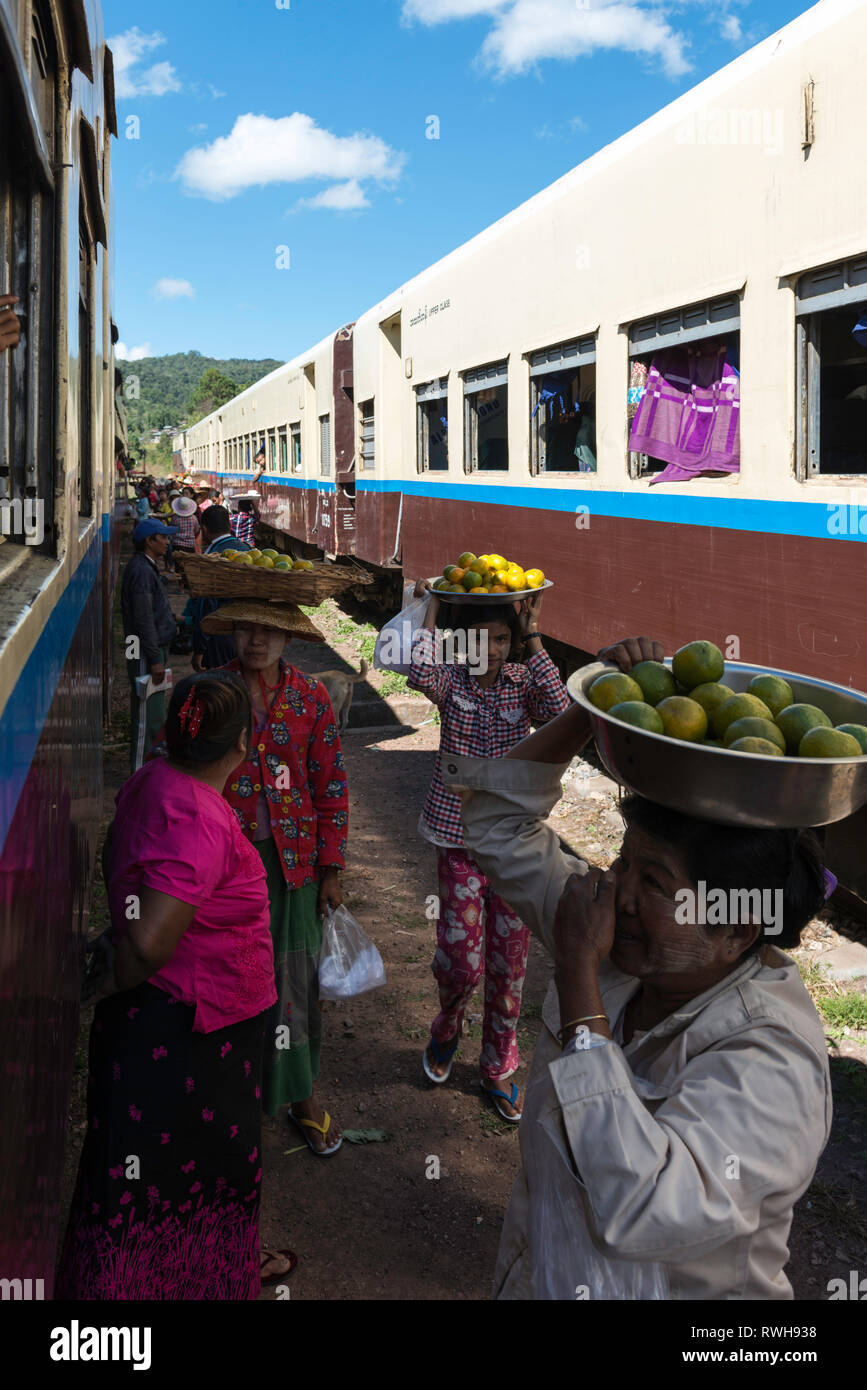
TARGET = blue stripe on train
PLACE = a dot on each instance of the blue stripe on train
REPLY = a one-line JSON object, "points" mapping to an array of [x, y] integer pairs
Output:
{"points": [[819, 520], [27, 707]]}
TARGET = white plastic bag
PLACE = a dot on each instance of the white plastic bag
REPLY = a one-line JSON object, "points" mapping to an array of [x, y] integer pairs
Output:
{"points": [[393, 650], [349, 963]]}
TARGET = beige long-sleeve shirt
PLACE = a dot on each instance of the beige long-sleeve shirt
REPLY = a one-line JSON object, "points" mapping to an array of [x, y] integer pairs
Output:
{"points": [[667, 1168]]}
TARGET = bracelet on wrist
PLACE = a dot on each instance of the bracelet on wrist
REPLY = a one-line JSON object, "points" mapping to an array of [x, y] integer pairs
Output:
{"points": [[588, 1018]]}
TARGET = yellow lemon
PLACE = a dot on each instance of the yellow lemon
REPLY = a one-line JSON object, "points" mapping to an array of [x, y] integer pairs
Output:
{"points": [[515, 579], [497, 562], [535, 579]]}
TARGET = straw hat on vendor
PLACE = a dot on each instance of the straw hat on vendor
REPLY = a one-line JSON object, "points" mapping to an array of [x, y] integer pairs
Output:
{"points": [[291, 800]]}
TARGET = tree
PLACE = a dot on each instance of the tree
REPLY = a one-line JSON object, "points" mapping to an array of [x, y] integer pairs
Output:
{"points": [[212, 390]]}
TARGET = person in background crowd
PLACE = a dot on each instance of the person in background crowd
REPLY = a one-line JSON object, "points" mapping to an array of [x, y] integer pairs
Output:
{"points": [[291, 800], [147, 616], [478, 933], [203, 501], [187, 523], [243, 522], [182, 995], [165, 507], [153, 496], [215, 649], [10, 324], [680, 1093]]}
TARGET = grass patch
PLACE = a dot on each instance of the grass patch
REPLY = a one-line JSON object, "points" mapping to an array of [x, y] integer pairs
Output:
{"points": [[841, 1008], [491, 1123], [393, 683], [367, 644], [412, 1034], [416, 958], [837, 1210]]}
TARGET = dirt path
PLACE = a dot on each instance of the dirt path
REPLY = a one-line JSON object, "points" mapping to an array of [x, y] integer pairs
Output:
{"points": [[371, 1222]]}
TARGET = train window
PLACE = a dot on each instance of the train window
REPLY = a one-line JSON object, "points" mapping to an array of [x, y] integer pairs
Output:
{"points": [[272, 452], [368, 434], [562, 408], [711, 322], [831, 418], [296, 448], [325, 445], [432, 425], [284, 451], [27, 262], [486, 419]]}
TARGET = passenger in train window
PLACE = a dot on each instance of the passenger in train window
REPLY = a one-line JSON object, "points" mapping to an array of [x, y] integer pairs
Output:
{"points": [[478, 934], [10, 324], [679, 1096], [167, 1200]]}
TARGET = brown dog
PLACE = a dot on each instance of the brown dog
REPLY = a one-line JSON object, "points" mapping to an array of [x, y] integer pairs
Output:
{"points": [[340, 689]]}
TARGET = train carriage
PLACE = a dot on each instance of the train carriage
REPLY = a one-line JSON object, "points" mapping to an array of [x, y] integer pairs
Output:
{"points": [[492, 395], [61, 428]]}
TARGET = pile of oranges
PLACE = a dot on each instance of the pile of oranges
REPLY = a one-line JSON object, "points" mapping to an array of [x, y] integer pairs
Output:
{"points": [[265, 559], [487, 574]]}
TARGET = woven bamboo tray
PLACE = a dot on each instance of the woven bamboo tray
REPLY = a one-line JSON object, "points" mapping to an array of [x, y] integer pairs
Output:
{"points": [[210, 576]]}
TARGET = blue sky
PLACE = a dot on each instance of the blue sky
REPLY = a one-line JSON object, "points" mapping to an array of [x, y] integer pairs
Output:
{"points": [[296, 131]]}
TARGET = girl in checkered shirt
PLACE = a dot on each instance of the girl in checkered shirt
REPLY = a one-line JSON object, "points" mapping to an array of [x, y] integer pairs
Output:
{"points": [[483, 713]]}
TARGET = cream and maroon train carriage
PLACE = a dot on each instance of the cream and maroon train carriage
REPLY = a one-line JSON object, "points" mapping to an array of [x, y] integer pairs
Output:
{"points": [[60, 431]]}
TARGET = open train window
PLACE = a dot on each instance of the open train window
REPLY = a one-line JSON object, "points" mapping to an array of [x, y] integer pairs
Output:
{"points": [[432, 425], [284, 451], [368, 434], [486, 419], [831, 371], [272, 451], [296, 448], [711, 322], [562, 408], [27, 266]]}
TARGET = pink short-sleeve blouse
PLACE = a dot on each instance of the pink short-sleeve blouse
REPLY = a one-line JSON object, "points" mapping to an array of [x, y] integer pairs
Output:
{"points": [[174, 834]]}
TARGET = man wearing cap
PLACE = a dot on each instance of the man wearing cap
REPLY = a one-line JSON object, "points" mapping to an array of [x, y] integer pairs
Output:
{"points": [[148, 626]]}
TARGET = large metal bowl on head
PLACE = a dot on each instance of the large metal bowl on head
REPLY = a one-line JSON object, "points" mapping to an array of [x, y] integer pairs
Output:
{"points": [[734, 788], [486, 599]]}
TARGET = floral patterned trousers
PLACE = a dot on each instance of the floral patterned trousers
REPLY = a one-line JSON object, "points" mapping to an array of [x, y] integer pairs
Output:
{"points": [[478, 934]]}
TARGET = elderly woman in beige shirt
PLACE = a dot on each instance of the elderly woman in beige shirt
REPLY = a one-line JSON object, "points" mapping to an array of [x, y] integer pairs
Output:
{"points": [[679, 1096]]}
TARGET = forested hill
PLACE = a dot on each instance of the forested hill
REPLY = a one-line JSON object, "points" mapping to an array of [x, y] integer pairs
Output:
{"points": [[161, 395]]}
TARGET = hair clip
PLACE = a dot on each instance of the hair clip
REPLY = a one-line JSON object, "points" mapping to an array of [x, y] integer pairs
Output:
{"points": [[191, 714], [830, 883]]}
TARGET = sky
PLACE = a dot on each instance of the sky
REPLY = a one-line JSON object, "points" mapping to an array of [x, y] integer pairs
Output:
{"points": [[284, 164]]}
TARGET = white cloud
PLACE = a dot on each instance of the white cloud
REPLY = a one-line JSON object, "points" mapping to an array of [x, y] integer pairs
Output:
{"points": [[173, 289], [129, 50], [215, 91], [342, 197], [730, 28], [524, 32], [289, 149], [135, 354]]}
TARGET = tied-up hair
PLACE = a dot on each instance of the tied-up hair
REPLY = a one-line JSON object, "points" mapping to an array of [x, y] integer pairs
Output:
{"points": [[206, 716]]}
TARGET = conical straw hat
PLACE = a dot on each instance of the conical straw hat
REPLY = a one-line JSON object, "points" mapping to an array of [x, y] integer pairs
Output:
{"points": [[267, 612]]}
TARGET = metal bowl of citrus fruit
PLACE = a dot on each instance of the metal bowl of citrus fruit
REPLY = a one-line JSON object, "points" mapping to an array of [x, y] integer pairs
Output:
{"points": [[487, 579], [727, 741]]}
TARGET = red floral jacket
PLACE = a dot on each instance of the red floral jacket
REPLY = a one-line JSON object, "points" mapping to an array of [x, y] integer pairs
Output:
{"points": [[298, 761]]}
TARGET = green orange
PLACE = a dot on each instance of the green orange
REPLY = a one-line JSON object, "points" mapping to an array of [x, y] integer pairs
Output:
{"points": [[858, 731], [797, 720], [682, 718], [820, 742], [756, 745], [655, 680], [698, 663], [776, 693], [753, 727], [612, 689], [638, 713], [741, 706]]}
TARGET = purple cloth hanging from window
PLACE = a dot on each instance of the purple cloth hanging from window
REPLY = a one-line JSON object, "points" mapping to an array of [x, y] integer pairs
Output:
{"points": [[689, 413]]}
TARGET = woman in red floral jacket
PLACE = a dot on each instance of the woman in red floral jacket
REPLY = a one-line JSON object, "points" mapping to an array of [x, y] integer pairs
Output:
{"points": [[290, 798]]}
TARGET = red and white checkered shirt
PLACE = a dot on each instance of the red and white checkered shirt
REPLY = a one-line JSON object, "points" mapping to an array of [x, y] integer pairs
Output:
{"points": [[243, 525], [188, 529], [479, 722]]}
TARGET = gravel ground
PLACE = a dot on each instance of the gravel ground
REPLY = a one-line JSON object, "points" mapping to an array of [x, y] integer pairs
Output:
{"points": [[373, 1221]]}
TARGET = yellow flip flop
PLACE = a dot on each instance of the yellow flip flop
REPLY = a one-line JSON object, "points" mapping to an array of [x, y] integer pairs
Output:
{"points": [[322, 1129]]}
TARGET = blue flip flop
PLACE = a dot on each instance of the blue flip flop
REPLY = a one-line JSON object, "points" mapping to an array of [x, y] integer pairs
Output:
{"points": [[441, 1054], [512, 1099]]}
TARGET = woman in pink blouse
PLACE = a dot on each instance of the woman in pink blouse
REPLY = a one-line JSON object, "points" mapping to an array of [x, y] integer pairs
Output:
{"points": [[167, 1200]]}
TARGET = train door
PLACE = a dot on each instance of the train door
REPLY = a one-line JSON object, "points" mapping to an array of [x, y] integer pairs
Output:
{"points": [[344, 444]]}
